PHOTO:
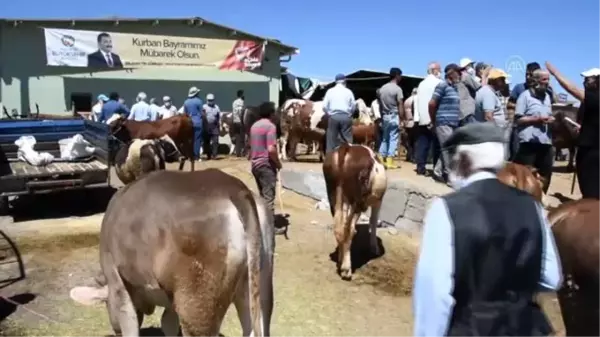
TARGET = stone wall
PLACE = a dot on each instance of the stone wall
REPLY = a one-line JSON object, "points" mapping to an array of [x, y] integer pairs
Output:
{"points": [[404, 203]]}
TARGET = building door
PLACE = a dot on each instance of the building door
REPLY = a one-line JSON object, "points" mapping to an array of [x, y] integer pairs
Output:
{"points": [[81, 102]]}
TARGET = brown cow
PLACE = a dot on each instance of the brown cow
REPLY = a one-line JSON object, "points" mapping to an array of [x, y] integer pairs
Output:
{"points": [[361, 134], [575, 228], [295, 123], [355, 181], [523, 177], [198, 242], [179, 128], [564, 134]]}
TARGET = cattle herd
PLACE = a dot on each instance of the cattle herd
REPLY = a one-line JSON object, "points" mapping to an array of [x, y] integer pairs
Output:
{"points": [[219, 248]]}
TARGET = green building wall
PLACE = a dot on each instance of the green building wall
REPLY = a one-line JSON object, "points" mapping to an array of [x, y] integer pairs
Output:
{"points": [[26, 80]]}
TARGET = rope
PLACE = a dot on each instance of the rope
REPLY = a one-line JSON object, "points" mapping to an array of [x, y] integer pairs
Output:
{"points": [[17, 304], [280, 191]]}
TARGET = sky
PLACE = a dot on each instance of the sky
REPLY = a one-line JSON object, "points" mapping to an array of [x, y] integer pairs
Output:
{"points": [[344, 36]]}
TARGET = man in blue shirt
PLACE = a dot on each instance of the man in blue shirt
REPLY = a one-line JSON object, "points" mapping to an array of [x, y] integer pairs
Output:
{"points": [[444, 111], [514, 96], [212, 113], [480, 266], [193, 108], [339, 104], [111, 107], [522, 87], [533, 116]]}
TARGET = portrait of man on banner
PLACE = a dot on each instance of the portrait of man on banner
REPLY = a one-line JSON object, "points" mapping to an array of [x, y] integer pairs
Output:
{"points": [[104, 57]]}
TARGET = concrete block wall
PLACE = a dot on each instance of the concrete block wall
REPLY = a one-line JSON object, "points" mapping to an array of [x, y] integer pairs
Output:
{"points": [[404, 203]]}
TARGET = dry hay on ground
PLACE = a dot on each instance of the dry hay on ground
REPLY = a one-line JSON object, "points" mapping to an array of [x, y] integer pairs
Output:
{"points": [[393, 272]]}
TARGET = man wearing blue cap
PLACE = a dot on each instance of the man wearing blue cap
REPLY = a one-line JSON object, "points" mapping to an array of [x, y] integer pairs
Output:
{"points": [[97, 108], [113, 106], [339, 103]]}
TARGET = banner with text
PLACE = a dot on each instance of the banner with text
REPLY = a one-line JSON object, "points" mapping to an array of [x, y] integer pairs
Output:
{"points": [[105, 50]]}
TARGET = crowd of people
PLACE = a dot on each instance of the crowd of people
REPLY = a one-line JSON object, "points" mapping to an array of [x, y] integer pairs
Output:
{"points": [[465, 93], [480, 266], [206, 117]]}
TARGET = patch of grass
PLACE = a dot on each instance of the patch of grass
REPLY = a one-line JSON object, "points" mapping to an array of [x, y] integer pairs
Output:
{"points": [[57, 243]]}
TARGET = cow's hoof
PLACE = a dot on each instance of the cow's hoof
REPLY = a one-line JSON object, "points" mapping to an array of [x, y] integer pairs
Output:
{"points": [[346, 274]]}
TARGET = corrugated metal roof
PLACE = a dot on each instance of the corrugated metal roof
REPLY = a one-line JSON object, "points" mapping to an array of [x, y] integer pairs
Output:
{"points": [[377, 74], [287, 49]]}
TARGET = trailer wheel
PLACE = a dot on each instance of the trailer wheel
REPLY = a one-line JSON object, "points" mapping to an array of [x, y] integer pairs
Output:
{"points": [[4, 206]]}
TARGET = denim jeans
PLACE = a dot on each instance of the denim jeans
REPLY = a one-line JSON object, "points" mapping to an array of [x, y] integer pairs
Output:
{"points": [[467, 120], [266, 180], [339, 130], [197, 140], [389, 135], [443, 132], [425, 141]]}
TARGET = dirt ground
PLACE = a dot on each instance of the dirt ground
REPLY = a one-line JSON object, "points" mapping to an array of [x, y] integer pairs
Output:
{"points": [[57, 236]]}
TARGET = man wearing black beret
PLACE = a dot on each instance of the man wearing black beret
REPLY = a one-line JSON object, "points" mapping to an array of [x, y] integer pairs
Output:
{"points": [[486, 249]]}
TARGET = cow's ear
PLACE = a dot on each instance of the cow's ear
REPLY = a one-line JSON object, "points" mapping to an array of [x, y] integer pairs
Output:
{"points": [[89, 295]]}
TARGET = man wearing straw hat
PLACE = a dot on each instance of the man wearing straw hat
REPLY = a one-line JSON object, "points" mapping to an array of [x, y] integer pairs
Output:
{"points": [[193, 108], [480, 266], [488, 105]]}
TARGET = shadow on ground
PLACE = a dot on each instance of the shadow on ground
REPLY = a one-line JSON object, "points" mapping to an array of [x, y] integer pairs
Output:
{"points": [[562, 169], [9, 305], [154, 331], [61, 204], [360, 250]]}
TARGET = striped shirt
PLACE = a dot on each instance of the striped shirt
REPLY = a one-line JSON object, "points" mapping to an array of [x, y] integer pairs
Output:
{"points": [[448, 100], [263, 134]]}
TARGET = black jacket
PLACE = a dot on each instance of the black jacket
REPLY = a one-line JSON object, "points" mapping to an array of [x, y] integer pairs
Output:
{"points": [[498, 247], [97, 60]]}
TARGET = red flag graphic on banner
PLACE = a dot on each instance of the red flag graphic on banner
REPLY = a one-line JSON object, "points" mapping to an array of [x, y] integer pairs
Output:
{"points": [[245, 55]]}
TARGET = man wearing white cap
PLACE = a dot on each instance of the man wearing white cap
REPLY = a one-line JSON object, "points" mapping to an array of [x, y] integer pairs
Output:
{"points": [[481, 267], [467, 89], [140, 111], [167, 110], [212, 113], [193, 108], [587, 159]]}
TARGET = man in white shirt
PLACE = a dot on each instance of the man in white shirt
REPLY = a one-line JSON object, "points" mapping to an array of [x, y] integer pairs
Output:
{"points": [[167, 110], [154, 109], [339, 104], [425, 136], [140, 111], [97, 108], [409, 127]]}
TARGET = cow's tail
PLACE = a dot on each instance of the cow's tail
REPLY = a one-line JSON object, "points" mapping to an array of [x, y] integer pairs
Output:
{"points": [[338, 212], [254, 256]]}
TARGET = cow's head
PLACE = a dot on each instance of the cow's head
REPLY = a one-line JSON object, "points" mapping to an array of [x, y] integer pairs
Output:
{"points": [[118, 128], [562, 130], [170, 151]]}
